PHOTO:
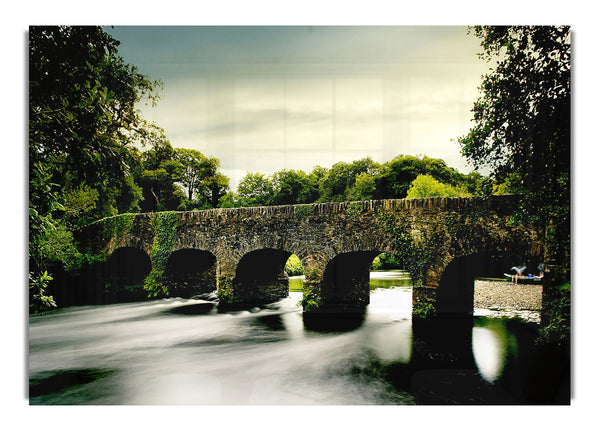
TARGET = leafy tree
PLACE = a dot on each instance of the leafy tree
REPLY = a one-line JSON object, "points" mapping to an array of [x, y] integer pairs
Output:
{"points": [[522, 125], [291, 187], [201, 177], [395, 177], [159, 177], [425, 186], [254, 190], [82, 122], [364, 187], [339, 180], [213, 185], [310, 191], [227, 200]]}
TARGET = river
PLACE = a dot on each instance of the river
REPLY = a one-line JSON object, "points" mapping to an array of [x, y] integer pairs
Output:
{"points": [[185, 351]]}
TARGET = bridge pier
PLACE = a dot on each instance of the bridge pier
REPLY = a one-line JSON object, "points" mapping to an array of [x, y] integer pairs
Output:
{"points": [[343, 284]]}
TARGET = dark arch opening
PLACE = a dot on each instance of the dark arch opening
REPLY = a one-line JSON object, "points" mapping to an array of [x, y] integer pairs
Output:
{"points": [[456, 289], [260, 276], [191, 272], [124, 274], [346, 280]]}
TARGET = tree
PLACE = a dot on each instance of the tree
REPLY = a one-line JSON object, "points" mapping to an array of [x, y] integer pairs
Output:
{"points": [[339, 180], [363, 189], [395, 176], [522, 125], [201, 177], [254, 190], [160, 175], [82, 112], [291, 187], [82, 121], [213, 184], [425, 186]]}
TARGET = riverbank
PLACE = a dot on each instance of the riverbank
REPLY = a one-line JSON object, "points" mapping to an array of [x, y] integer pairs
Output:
{"points": [[503, 294]]}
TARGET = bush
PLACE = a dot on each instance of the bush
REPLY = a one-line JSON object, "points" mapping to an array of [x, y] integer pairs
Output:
{"points": [[38, 301]]}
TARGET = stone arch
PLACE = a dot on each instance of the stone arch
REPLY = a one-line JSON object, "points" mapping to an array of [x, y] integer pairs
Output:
{"points": [[456, 285], [346, 282], [260, 276], [190, 272], [124, 274]]}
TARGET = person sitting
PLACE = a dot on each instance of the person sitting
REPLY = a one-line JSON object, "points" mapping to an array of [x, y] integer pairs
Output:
{"points": [[519, 272]]}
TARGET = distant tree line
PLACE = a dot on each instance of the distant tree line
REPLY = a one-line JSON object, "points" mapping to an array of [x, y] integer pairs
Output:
{"points": [[364, 179]]}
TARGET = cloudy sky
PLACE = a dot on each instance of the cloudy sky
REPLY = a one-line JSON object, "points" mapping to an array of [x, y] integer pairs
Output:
{"points": [[263, 99]]}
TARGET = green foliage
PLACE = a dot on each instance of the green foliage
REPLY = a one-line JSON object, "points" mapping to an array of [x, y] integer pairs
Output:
{"points": [[310, 300], [425, 186], [200, 175], [82, 122], [118, 226], [165, 226], [38, 301], [293, 266], [225, 296], [386, 261], [159, 174], [376, 264], [254, 190], [337, 183], [354, 209], [424, 311], [415, 256], [395, 176], [364, 187], [82, 106], [557, 330], [291, 187]]}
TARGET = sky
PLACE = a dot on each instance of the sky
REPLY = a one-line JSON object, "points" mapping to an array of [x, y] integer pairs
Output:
{"points": [[266, 98]]}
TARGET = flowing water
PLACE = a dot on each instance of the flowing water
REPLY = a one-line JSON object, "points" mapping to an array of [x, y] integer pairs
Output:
{"points": [[185, 351]]}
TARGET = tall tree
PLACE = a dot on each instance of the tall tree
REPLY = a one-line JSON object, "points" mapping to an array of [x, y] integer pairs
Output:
{"points": [[82, 120], [160, 175], [522, 124]]}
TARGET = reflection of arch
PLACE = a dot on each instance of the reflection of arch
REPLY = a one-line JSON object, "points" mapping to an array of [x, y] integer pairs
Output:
{"points": [[346, 279], [125, 271], [191, 272], [260, 275]]}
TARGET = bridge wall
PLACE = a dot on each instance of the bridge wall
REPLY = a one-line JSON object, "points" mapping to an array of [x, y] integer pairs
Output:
{"points": [[430, 234]]}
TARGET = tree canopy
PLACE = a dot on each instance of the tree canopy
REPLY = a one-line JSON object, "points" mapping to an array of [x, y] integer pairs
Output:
{"points": [[425, 186], [522, 124], [82, 121], [522, 118]]}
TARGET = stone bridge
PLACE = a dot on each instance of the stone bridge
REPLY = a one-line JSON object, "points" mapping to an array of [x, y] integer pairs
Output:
{"points": [[242, 252]]}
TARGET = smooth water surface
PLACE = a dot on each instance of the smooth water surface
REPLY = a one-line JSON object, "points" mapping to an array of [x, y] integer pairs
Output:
{"points": [[177, 351]]}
